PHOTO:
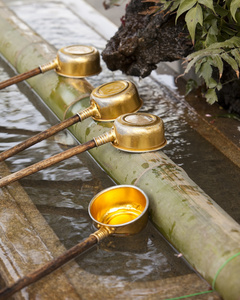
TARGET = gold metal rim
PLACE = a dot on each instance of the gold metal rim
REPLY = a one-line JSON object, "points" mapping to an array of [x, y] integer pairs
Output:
{"points": [[78, 77], [112, 119], [142, 150], [107, 196]]}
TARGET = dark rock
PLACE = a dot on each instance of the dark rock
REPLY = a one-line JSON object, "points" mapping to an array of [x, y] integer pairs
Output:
{"points": [[142, 41]]}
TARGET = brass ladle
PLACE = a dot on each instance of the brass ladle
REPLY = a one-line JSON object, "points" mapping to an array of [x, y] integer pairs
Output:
{"points": [[134, 132], [74, 61], [120, 210], [107, 102]]}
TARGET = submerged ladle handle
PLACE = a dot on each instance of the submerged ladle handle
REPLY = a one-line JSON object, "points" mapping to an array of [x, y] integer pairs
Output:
{"points": [[39, 137], [49, 267], [47, 163], [20, 77]]}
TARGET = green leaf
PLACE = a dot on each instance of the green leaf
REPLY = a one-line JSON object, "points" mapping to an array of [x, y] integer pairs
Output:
{"points": [[219, 86], [175, 5], [198, 64], [231, 61], [235, 4], [190, 86], [211, 96], [207, 3], [206, 73], [237, 16], [204, 52], [184, 6], [230, 43], [236, 54], [230, 31], [221, 11], [192, 18], [218, 63], [212, 83], [210, 39]]}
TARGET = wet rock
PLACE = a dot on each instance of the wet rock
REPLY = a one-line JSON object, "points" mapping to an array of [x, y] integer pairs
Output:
{"points": [[142, 41]]}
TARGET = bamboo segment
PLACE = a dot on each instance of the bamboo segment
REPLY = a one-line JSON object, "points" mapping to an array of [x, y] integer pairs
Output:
{"points": [[19, 78], [46, 163], [39, 137], [48, 267]]}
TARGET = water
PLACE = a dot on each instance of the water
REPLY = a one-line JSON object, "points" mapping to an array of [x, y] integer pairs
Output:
{"points": [[62, 192]]}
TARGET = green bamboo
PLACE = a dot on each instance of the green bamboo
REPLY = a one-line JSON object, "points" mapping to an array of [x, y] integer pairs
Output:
{"points": [[205, 234]]}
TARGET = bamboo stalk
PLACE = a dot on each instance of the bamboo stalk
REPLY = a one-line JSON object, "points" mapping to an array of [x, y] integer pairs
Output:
{"points": [[39, 137], [47, 163], [20, 77], [48, 267]]}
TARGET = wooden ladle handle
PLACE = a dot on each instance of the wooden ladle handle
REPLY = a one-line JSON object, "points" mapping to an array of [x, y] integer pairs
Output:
{"points": [[47, 163], [20, 77], [48, 267], [39, 137]]}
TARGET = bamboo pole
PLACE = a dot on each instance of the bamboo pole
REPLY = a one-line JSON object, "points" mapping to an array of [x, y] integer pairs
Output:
{"points": [[194, 224]]}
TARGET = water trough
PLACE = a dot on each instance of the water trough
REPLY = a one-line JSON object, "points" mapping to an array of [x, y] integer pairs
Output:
{"points": [[193, 223]]}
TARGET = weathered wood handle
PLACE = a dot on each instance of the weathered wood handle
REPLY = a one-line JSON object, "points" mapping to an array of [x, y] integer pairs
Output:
{"points": [[39, 137], [47, 163], [48, 267], [20, 77]]}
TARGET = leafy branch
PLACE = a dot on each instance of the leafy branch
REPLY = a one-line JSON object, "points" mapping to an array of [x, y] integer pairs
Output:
{"points": [[214, 29]]}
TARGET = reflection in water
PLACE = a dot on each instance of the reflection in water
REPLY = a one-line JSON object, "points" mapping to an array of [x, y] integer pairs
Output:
{"points": [[139, 258]]}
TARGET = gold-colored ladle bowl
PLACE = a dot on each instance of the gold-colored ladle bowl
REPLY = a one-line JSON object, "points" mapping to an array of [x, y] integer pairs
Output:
{"points": [[121, 209], [110, 100], [78, 61], [136, 132]]}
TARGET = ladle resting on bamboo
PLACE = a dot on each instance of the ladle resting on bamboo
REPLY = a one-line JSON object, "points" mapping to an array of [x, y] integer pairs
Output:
{"points": [[114, 212], [107, 102], [134, 132], [76, 61]]}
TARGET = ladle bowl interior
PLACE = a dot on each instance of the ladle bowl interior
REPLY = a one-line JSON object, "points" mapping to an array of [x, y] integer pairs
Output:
{"points": [[78, 61], [121, 208]]}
